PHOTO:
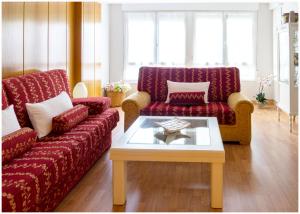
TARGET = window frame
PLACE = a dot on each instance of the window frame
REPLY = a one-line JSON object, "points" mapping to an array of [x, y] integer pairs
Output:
{"points": [[189, 20]]}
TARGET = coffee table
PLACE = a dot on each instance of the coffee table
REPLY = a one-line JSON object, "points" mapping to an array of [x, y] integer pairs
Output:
{"points": [[146, 141]]}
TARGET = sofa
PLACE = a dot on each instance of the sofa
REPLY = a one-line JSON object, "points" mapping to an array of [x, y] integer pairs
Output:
{"points": [[232, 109], [42, 176]]}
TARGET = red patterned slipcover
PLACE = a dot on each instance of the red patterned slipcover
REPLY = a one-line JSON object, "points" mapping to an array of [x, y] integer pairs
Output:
{"points": [[187, 98], [33, 88], [5, 103], [96, 104], [222, 111], [223, 81], [17, 143], [70, 118], [39, 179]]}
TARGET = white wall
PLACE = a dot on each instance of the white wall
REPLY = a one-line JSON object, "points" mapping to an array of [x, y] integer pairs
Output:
{"points": [[264, 37], [104, 41], [116, 43], [264, 48]]}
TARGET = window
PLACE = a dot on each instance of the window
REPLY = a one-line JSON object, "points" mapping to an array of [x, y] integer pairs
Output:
{"points": [[171, 39], [214, 39], [208, 40], [240, 43], [140, 42]]}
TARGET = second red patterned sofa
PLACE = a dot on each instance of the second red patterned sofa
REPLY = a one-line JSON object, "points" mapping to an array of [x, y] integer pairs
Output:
{"points": [[40, 178], [232, 109]]}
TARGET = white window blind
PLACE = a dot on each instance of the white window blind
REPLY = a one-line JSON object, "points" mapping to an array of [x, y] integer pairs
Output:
{"points": [[171, 39], [219, 39], [240, 43], [208, 40], [140, 38]]}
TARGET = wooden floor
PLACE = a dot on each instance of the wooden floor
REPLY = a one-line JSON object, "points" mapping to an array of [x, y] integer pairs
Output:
{"points": [[260, 177]]}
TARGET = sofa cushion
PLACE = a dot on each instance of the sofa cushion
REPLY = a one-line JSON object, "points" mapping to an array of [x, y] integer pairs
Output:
{"points": [[223, 81], [70, 118], [96, 105], [17, 143], [42, 113], [187, 87], [187, 98], [220, 110], [33, 88]]}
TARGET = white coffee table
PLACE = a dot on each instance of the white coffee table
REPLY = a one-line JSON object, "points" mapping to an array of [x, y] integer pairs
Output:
{"points": [[145, 141]]}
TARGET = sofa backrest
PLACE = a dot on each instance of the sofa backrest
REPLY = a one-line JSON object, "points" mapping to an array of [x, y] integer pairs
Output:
{"points": [[33, 88], [223, 81], [5, 103]]}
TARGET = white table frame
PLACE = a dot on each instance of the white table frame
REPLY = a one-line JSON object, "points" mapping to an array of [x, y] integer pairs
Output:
{"points": [[121, 152]]}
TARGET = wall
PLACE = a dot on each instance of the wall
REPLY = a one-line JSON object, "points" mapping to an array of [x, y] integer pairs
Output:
{"points": [[104, 41], [264, 37]]}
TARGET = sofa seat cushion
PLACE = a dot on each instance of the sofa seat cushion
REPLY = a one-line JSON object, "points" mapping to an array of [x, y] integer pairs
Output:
{"points": [[25, 180], [220, 110]]}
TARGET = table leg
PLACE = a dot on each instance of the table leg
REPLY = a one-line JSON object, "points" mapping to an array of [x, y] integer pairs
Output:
{"points": [[291, 123], [216, 193], [119, 182], [278, 114]]}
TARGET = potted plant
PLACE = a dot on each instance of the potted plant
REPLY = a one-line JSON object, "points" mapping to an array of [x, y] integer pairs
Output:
{"points": [[263, 83], [116, 91]]}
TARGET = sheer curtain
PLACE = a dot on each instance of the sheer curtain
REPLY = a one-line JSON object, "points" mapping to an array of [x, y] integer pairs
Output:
{"points": [[241, 43], [140, 42], [171, 39], [208, 39]]}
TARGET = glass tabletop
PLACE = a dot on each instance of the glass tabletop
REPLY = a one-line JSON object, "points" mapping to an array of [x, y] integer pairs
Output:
{"points": [[151, 133]]}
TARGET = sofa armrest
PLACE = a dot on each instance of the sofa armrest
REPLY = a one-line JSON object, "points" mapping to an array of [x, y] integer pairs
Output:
{"points": [[132, 106], [17, 143], [238, 101], [96, 105]]}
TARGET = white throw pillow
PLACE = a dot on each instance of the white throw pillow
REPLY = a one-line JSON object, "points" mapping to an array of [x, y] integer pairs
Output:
{"points": [[41, 114], [9, 121], [187, 87]]}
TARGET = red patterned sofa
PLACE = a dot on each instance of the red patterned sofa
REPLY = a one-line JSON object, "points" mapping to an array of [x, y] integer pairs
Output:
{"points": [[232, 109], [40, 178]]}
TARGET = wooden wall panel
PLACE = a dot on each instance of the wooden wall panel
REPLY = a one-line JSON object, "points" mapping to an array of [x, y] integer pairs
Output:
{"points": [[12, 39], [97, 84], [35, 36], [57, 35], [38, 36], [88, 45], [74, 35]]}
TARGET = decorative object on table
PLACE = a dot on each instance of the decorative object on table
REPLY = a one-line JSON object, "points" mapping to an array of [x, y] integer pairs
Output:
{"points": [[80, 90], [169, 138], [174, 125], [263, 83], [116, 92]]}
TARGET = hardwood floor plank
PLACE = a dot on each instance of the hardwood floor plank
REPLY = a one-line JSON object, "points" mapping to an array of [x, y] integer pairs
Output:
{"points": [[259, 177]]}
